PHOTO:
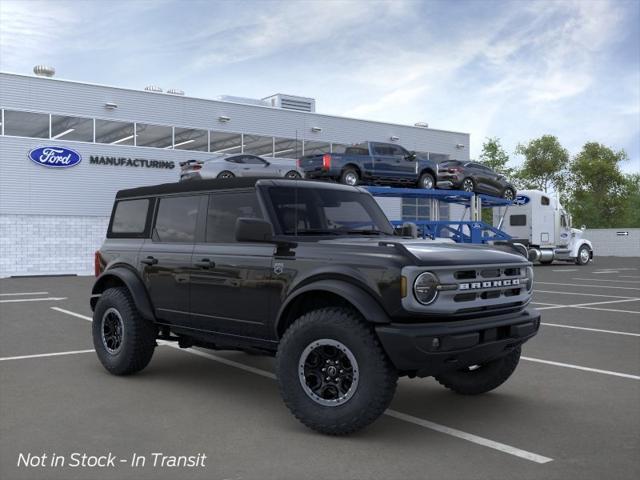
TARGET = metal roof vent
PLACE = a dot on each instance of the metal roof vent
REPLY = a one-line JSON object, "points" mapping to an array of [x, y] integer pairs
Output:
{"points": [[292, 102], [175, 91], [44, 71], [153, 88], [421, 124]]}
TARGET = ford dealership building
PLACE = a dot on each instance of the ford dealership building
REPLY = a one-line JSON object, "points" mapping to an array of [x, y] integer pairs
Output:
{"points": [[67, 147]]}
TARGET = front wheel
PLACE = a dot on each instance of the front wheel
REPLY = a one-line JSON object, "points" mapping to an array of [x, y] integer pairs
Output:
{"points": [[426, 181], [123, 340], [468, 185], [332, 372], [584, 255], [508, 194], [226, 174], [293, 175], [482, 378]]}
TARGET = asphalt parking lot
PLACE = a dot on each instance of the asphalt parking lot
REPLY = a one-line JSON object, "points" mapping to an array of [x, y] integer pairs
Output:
{"points": [[571, 410]]}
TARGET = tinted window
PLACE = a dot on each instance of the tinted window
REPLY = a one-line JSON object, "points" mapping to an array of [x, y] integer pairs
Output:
{"points": [[115, 133], [176, 219], [518, 220], [235, 159], [306, 211], [253, 160], [130, 216], [544, 200], [72, 128], [224, 210], [356, 151], [153, 136]]}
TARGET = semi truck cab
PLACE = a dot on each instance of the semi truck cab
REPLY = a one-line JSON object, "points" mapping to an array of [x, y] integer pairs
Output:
{"points": [[538, 221]]}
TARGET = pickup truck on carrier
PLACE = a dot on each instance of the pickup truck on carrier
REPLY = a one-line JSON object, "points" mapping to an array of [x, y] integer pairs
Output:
{"points": [[372, 162]]}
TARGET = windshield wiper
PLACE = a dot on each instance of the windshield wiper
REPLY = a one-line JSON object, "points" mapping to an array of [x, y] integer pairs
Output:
{"points": [[363, 232], [315, 232]]}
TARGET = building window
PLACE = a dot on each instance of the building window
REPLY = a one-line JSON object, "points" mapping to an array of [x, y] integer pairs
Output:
{"points": [[258, 145], [114, 133], [415, 209], [26, 124], [438, 157], [71, 128], [191, 139], [227, 143], [316, 148], [287, 148], [157, 136]]}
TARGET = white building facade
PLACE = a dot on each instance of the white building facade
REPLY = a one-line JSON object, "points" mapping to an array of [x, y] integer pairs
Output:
{"points": [[52, 219]]}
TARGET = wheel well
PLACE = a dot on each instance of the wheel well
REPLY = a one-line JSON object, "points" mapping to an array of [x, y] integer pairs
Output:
{"points": [[307, 302], [429, 171], [106, 283], [355, 167]]}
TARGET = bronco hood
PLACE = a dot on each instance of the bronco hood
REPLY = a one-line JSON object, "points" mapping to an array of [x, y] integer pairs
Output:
{"points": [[439, 253]]}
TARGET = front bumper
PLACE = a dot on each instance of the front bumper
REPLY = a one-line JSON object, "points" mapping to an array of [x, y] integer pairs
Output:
{"points": [[432, 348]]}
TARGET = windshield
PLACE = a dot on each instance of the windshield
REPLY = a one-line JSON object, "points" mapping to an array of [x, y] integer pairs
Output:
{"points": [[327, 211]]}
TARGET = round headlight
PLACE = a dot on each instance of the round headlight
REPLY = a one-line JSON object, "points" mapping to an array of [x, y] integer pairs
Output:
{"points": [[425, 288], [529, 279]]}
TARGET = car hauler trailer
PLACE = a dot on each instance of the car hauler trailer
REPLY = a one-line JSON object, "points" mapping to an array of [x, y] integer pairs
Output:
{"points": [[538, 221]]}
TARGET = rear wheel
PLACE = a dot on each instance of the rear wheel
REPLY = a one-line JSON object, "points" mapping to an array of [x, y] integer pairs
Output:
{"points": [[123, 340], [332, 372], [508, 194], [226, 174], [584, 255], [350, 177], [468, 185], [293, 174], [481, 378], [426, 181]]}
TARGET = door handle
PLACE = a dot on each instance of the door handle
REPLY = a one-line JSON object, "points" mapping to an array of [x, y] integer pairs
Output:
{"points": [[205, 263], [149, 260]]}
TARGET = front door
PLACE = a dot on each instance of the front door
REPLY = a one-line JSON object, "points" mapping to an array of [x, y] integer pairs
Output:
{"points": [[392, 164], [166, 258], [231, 283]]}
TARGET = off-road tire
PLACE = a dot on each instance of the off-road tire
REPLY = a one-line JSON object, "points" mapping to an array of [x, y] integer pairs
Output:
{"points": [[377, 376], [424, 178], [138, 338], [345, 176], [225, 174], [486, 378]]}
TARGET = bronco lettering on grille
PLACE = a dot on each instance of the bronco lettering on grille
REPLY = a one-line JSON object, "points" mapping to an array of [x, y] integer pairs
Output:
{"points": [[514, 282]]}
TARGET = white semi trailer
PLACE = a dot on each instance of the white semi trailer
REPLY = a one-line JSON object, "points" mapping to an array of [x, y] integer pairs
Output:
{"points": [[539, 222]]}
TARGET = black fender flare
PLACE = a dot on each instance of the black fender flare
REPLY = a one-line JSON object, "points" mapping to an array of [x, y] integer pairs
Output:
{"points": [[364, 302], [134, 284]]}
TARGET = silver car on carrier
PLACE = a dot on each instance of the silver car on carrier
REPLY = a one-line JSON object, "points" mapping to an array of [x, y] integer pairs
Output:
{"points": [[239, 165]]}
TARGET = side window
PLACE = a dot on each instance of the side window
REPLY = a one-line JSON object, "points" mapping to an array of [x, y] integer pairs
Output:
{"points": [[253, 160], [563, 221], [398, 151], [544, 200], [224, 209], [176, 219], [238, 159], [518, 220], [130, 218]]}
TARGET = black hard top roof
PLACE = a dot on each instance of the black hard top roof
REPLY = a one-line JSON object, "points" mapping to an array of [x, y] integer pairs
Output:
{"points": [[217, 184]]}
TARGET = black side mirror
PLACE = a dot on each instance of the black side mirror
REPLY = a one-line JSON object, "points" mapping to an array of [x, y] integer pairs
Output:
{"points": [[253, 230], [411, 156]]}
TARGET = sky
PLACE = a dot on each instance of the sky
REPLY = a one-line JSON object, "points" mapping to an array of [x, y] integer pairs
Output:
{"points": [[509, 69]]}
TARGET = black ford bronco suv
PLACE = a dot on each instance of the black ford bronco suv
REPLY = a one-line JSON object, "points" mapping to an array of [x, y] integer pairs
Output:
{"points": [[314, 274]]}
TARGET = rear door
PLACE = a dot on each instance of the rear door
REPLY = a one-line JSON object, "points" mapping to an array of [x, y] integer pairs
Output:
{"points": [[231, 283], [165, 259]]}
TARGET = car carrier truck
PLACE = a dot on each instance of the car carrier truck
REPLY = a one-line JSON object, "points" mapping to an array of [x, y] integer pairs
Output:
{"points": [[538, 221]]}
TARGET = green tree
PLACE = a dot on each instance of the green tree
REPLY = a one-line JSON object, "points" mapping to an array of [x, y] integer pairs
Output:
{"points": [[545, 164], [630, 216], [599, 193], [495, 157]]}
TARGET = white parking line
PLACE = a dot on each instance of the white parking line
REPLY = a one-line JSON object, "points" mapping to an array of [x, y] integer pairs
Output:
{"points": [[583, 294], [23, 293], [629, 276], [567, 270], [615, 332], [533, 457], [47, 299], [73, 314], [636, 282], [41, 355], [633, 312], [579, 367], [589, 305], [606, 272], [580, 285]]}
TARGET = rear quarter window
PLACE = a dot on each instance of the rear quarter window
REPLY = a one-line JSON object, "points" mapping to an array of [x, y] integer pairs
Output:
{"points": [[130, 219]]}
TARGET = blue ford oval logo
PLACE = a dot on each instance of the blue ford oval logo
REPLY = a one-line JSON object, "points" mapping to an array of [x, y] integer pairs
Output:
{"points": [[55, 157], [521, 200]]}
